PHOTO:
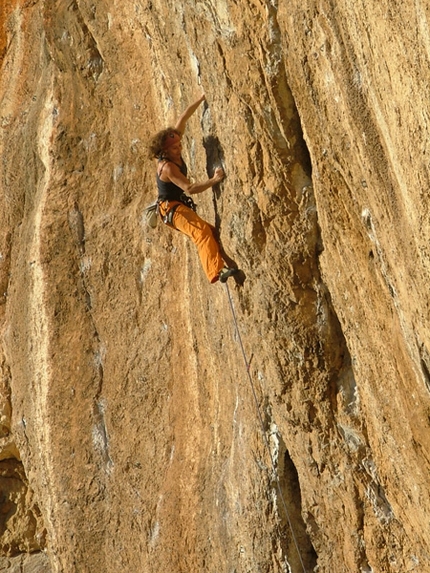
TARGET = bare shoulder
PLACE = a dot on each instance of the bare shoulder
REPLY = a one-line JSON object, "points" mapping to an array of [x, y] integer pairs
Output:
{"points": [[171, 168], [168, 170]]}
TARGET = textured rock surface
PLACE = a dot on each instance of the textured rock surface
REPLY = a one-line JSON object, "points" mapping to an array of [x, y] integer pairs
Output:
{"points": [[128, 432]]}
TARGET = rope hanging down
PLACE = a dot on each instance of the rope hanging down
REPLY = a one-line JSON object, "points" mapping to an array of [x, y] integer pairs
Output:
{"points": [[260, 418]]}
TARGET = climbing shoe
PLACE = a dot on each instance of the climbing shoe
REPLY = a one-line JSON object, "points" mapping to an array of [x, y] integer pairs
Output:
{"points": [[225, 273]]}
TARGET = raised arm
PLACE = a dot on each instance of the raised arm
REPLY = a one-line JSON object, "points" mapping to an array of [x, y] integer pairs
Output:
{"points": [[182, 121]]}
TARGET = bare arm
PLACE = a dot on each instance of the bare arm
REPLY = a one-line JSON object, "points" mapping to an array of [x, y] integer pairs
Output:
{"points": [[173, 174], [182, 121]]}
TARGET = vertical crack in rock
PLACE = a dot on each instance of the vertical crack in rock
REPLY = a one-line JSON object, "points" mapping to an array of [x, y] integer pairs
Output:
{"points": [[214, 158], [425, 365], [292, 528]]}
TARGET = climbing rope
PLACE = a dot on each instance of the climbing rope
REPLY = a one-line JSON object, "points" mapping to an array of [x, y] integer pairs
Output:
{"points": [[260, 418]]}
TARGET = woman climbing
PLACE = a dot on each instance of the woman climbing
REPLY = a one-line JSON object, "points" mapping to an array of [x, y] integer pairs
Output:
{"points": [[178, 210]]}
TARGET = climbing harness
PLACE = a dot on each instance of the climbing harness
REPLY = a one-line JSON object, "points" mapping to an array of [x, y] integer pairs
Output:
{"points": [[260, 418], [184, 200], [168, 217], [188, 202]]}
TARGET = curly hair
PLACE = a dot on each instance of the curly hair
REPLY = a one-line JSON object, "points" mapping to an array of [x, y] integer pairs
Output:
{"points": [[156, 145]]}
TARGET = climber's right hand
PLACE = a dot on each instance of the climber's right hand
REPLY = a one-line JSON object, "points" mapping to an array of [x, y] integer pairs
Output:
{"points": [[218, 175]]}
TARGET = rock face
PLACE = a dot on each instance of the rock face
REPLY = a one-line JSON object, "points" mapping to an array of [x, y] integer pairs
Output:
{"points": [[130, 438]]}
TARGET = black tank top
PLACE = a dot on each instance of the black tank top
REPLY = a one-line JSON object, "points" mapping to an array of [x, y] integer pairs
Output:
{"points": [[168, 191]]}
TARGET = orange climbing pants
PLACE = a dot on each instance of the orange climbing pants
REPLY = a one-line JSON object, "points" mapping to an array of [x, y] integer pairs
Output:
{"points": [[202, 235]]}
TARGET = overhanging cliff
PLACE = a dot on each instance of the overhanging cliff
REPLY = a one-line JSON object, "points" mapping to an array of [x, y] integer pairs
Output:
{"points": [[129, 438]]}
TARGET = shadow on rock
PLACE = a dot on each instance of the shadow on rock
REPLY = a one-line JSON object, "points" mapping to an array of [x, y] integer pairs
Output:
{"points": [[215, 159]]}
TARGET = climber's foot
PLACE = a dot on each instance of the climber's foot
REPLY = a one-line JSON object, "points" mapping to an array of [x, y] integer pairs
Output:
{"points": [[225, 273]]}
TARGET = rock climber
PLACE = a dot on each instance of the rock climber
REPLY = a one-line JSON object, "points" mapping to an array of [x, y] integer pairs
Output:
{"points": [[176, 208]]}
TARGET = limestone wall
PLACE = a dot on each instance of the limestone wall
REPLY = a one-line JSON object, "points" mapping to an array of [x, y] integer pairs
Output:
{"points": [[129, 435]]}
